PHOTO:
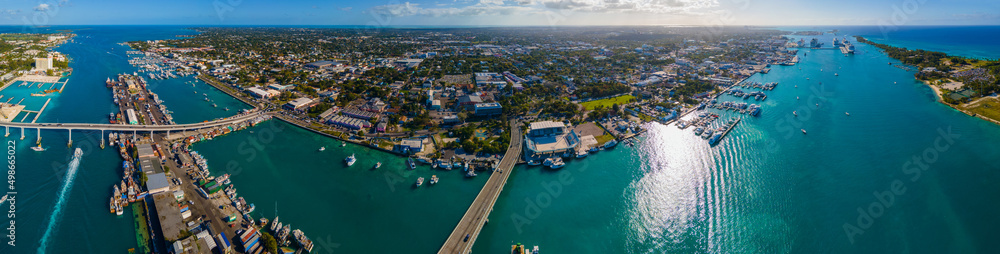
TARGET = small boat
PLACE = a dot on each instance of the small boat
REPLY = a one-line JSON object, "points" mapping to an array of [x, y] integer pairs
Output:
{"points": [[803, 131], [38, 148], [534, 163], [343, 144], [322, 148], [835, 74], [411, 163], [378, 165], [794, 113], [420, 181], [848, 114], [557, 163], [434, 179], [350, 160], [471, 173], [796, 97]]}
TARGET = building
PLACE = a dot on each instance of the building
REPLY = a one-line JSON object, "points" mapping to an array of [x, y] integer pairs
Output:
{"points": [[410, 145], [280, 87], [550, 138], [488, 109], [469, 101], [262, 93], [299, 104], [449, 120], [321, 65], [157, 183], [130, 115], [43, 63], [435, 105], [490, 78]]}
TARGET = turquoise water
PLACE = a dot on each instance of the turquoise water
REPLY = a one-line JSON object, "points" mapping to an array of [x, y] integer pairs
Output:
{"points": [[84, 225], [765, 188], [968, 41]]}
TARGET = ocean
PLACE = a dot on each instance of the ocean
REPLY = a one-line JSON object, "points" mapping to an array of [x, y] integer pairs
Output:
{"points": [[902, 173]]}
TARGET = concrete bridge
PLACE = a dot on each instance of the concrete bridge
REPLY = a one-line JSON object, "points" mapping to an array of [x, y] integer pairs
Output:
{"points": [[467, 230], [126, 128]]}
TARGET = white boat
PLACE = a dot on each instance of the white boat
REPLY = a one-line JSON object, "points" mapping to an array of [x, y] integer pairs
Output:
{"points": [[322, 148], [411, 163], [434, 179], [794, 113], [343, 144], [350, 160], [557, 163], [420, 181], [471, 173], [848, 114], [38, 148], [378, 165], [582, 154], [803, 131], [610, 144]]}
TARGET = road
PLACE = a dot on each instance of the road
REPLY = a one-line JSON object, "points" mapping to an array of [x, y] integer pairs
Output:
{"points": [[122, 127], [474, 219]]}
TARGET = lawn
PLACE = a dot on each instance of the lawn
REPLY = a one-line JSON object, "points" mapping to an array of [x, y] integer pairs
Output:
{"points": [[604, 139], [989, 108], [621, 100]]}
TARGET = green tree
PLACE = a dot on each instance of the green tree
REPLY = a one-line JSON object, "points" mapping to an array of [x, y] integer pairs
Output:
{"points": [[269, 243]]}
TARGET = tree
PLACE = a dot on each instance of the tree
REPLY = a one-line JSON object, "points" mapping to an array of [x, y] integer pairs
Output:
{"points": [[269, 243]]}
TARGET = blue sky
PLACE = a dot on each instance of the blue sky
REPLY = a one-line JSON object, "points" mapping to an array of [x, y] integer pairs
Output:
{"points": [[501, 13]]}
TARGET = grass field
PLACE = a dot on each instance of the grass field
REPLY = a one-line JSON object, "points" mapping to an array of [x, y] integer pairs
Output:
{"points": [[604, 139], [621, 100], [989, 108]]}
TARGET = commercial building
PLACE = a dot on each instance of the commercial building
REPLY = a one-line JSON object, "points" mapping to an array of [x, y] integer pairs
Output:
{"points": [[550, 138], [43, 63], [299, 104], [469, 101], [259, 93], [157, 183], [411, 145], [488, 109], [130, 115]]}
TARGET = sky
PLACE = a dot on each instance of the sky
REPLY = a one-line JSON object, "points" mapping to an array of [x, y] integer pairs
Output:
{"points": [[402, 13]]}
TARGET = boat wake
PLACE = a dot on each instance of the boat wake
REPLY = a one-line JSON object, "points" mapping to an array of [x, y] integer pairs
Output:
{"points": [[63, 192]]}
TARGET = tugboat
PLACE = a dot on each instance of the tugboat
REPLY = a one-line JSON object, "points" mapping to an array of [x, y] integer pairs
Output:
{"points": [[350, 160]]}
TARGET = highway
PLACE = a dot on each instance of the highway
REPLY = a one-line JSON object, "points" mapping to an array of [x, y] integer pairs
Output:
{"points": [[474, 219]]}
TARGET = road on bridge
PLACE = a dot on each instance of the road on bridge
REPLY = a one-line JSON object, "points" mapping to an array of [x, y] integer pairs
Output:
{"points": [[474, 219], [123, 127]]}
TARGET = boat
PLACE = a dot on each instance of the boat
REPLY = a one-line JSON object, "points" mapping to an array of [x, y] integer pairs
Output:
{"points": [[803, 131], [215, 106], [378, 165], [794, 113], [548, 162], [343, 144], [350, 160], [557, 163], [434, 179], [470, 173], [610, 144], [38, 148], [411, 163], [848, 114], [582, 154], [420, 181], [322, 148], [534, 163], [111, 203]]}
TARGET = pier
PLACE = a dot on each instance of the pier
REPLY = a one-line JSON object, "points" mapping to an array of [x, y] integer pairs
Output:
{"points": [[477, 215], [40, 110]]}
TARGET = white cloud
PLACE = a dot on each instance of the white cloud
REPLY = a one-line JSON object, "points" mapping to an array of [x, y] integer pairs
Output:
{"points": [[42, 7], [527, 7]]}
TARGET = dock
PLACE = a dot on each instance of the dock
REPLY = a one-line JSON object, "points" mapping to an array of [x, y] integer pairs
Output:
{"points": [[728, 129], [40, 110], [63, 86]]}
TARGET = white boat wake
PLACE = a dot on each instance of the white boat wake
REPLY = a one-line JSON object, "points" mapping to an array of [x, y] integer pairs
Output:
{"points": [[63, 192]]}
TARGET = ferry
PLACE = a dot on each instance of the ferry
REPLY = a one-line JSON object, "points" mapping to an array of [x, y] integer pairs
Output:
{"points": [[420, 181], [322, 148], [378, 165], [38, 148], [434, 179], [350, 160], [411, 163]]}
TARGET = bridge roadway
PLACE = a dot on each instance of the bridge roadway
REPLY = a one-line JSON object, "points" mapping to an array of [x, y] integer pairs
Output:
{"points": [[474, 219], [122, 127]]}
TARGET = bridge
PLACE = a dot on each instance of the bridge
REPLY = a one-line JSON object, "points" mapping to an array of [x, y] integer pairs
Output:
{"points": [[124, 128], [474, 219]]}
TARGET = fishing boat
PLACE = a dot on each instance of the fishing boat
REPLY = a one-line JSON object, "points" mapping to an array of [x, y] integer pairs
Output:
{"points": [[434, 179], [420, 181], [350, 160]]}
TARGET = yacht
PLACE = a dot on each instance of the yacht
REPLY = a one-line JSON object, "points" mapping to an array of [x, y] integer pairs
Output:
{"points": [[322, 148], [420, 181], [848, 114], [434, 179], [378, 165], [38, 148], [350, 160]]}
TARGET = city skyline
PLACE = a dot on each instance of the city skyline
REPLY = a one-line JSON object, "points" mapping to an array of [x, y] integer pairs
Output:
{"points": [[500, 13]]}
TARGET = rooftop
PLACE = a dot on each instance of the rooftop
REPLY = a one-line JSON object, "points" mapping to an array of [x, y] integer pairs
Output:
{"points": [[546, 124]]}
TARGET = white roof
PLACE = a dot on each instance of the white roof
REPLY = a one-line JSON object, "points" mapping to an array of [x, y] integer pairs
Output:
{"points": [[547, 124]]}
